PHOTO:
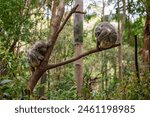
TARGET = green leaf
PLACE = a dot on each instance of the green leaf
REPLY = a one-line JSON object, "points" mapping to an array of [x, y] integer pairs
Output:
{"points": [[4, 82]]}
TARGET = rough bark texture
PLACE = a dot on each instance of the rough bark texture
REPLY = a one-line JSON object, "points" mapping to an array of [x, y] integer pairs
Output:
{"points": [[78, 39]]}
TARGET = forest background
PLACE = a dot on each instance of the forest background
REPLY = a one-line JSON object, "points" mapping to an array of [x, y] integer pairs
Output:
{"points": [[121, 72]]}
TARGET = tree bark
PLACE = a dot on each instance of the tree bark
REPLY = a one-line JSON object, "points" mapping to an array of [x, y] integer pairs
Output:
{"points": [[43, 81], [51, 66], [120, 34], [78, 39], [55, 25], [120, 41], [56, 28]]}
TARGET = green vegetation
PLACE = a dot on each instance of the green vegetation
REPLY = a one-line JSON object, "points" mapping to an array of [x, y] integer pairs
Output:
{"points": [[21, 24]]}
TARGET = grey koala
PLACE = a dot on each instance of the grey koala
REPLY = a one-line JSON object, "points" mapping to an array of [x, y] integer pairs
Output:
{"points": [[106, 35], [36, 54]]}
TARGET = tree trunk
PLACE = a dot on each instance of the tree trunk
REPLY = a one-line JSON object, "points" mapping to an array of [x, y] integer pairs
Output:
{"points": [[136, 57], [54, 32], [43, 81], [146, 46], [103, 11], [120, 47], [128, 19], [120, 33], [78, 39]]}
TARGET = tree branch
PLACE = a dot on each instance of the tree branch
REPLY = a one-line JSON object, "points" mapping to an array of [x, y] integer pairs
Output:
{"points": [[51, 66], [55, 24], [80, 12], [73, 10]]}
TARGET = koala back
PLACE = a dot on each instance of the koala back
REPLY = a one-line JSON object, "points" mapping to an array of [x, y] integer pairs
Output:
{"points": [[106, 35]]}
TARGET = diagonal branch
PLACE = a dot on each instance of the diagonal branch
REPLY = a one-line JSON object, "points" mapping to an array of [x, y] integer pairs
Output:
{"points": [[80, 12], [51, 66], [73, 10], [55, 24]]}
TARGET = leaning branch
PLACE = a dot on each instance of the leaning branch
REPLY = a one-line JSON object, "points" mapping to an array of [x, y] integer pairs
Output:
{"points": [[80, 12], [51, 66], [73, 10]]}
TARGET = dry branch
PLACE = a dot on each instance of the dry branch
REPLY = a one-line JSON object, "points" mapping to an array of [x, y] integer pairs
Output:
{"points": [[51, 66], [73, 10], [80, 12]]}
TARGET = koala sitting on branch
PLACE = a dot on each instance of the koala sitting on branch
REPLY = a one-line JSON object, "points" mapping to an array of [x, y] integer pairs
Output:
{"points": [[106, 35], [36, 54]]}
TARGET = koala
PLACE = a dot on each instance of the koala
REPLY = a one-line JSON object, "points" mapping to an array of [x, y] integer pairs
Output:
{"points": [[36, 54], [106, 35]]}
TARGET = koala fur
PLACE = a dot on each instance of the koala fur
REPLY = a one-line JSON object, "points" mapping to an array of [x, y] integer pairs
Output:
{"points": [[106, 35], [36, 54]]}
